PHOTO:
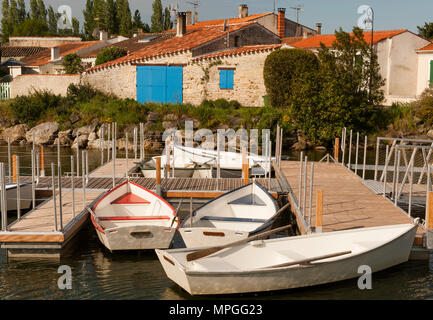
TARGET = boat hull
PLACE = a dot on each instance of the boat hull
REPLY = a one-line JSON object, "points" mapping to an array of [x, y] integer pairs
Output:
{"points": [[137, 238], [199, 237], [273, 279], [26, 197]]}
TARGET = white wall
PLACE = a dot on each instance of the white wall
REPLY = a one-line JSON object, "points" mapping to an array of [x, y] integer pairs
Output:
{"points": [[57, 84], [424, 59]]}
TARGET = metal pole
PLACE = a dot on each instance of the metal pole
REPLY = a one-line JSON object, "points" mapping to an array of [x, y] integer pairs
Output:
{"points": [[190, 211], [33, 180], [108, 142], [304, 202], [385, 170], [377, 159], [3, 204], [397, 174], [101, 144], [53, 181], [218, 173], [270, 165], [73, 186], [277, 142], [350, 152], [38, 169], [311, 197], [59, 177], [9, 161], [113, 155], [343, 145], [127, 171], [281, 148], [18, 188], [365, 157], [300, 180], [78, 160], [172, 160], [87, 167], [83, 180], [411, 186], [357, 153]]}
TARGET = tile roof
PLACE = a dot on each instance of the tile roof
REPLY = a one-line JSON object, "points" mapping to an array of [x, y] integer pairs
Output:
{"points": [[290, 40], [12, 51], [192, 39], [44, 57], [428, 47], [329, 39], [131, 44], [241, 50]]}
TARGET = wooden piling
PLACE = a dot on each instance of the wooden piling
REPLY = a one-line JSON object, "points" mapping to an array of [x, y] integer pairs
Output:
{"points": [[429, 220], [158, 176], [319, 210], [42, 161], [14, 168], [336, 148], [245, 166]]}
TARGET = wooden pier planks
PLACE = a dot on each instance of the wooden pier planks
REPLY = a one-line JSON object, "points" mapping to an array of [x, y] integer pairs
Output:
{"points": [[347, 202]]}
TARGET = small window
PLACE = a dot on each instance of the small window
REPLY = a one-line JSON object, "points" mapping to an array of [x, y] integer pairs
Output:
{"points": [[226, 78], [237, 39]]}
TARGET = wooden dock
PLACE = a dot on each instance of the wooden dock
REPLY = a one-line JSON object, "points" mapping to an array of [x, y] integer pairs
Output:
{"points": [[347, 202]]}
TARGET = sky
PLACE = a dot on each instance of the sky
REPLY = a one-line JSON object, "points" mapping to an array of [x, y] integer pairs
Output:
{"points": [[333, 14]]}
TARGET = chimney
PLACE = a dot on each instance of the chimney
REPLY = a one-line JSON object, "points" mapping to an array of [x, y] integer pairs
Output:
{"points": [[188, 18], [181, 24], [319, 28], [243, 11], [195, 17], [55, 53], [281, 31], [103, 35]]}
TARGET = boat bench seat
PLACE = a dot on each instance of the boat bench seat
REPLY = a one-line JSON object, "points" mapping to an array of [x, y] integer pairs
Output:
{"points": [[232, 219], [132, 218]]}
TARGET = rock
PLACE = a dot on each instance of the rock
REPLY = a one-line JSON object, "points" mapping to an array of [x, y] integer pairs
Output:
{"points": [[65, 138], [74, 118], [184, 118], [169, 124], [121, 144], [80, 141], [153, 116], [86, 130], [300, 145], [156, 146], [171, 117], [92, 137], [430, 134], [45, 133], [15, 133], [148, 143]]}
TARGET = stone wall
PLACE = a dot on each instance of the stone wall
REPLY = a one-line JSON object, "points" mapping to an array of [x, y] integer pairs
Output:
{"points": [[45, 42], [57, 84]]}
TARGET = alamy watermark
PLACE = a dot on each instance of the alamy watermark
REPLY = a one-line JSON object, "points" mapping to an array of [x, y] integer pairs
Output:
{"points": [[365, 21], [365, 281], [65, 280], [64, 22]]}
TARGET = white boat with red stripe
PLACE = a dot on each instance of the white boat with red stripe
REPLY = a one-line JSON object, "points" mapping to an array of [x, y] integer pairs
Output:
{"points": [[130, 217]]}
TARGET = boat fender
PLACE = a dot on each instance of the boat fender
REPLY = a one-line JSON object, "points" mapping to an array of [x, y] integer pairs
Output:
{"points": [[257, 243]]}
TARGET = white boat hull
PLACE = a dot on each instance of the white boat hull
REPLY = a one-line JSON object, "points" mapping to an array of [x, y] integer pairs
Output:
{"points": [[213, 275], [11, 196]]}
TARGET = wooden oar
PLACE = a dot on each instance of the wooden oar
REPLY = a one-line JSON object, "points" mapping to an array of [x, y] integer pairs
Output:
{"points": [[208, 251], [177, 212], [288, 264]]}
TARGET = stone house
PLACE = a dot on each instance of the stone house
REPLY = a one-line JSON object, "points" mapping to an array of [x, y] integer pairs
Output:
{"points": [[397, 57], [425, 68]]}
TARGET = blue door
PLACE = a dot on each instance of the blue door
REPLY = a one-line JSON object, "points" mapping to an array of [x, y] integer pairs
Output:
{"points": [[159, 84]]}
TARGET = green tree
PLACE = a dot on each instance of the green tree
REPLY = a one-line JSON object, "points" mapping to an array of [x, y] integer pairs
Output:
{"points": [[72, 64], [89, 22], [75, 26], [52, 20], [34, 9], [167, 20], [136, 22], [282, 67], [124, 18], [42, 11], [5, 22], [426, 31], [100, 12], [112, 23], [22, 13], [109, 54], [31, 28], [157, 19], [13, 13]]}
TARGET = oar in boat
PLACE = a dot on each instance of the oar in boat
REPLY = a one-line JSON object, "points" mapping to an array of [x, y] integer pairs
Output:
{"points": [[277, 213], [208, 251], [308, 260], [177, 212]]}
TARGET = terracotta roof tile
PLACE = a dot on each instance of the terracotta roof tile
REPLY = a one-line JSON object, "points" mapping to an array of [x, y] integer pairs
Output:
{"points": [[192, 39], [241, 50], [428, 47], [44, 57], [290, 40], [328, 39], [12, 51]]}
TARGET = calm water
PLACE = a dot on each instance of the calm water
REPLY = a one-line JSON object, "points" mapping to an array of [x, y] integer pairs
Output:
{"points": [[99, 274]]}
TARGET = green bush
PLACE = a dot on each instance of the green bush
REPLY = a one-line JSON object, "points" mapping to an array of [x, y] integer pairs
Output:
{"points": [[109, 54], [424, 107], [72, 64], [282, 68]]}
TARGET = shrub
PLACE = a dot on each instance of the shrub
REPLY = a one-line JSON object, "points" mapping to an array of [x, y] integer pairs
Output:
{"points": [[72, 64], [282, 67], [109, 54], [424, 107]]}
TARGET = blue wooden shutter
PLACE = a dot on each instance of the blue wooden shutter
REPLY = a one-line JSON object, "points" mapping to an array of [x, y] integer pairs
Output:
{"points": [[226, 79]]}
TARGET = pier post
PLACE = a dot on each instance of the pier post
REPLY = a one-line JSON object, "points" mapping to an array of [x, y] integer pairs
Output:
{"points": [[397, 176], [83, 180], [277, 143], [349, 163], [300, 180], [59, 177], [18, 181], [38, 168], [385, 171], [42, 161], [336, 149], [126, 147], [78, 160], [281, 148], [357, 153], [365, 157], [173, 158], [33, 180], [158, 176], [3, 204], [87, 168], [304, 202], [53, 181], [319, 211], [73, 186], [376, 166], [108, 142], [310, 209], [135, 143], [14, 168], [411, 184], [113, 157], [101, 143], [343, 145], [190, 212], [429, 220], [270, 165], [9, 160], [218, 169]]}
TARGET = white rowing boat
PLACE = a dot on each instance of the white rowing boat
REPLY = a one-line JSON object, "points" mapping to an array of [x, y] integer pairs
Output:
{"points": [[12, 196], [293, 262], [232, 216], [130, 217]]}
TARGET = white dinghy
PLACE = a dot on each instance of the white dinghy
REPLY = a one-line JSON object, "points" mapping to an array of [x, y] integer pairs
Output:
{"points": [[130, 217], [12, 196], [286, 263], [232, 216]]}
